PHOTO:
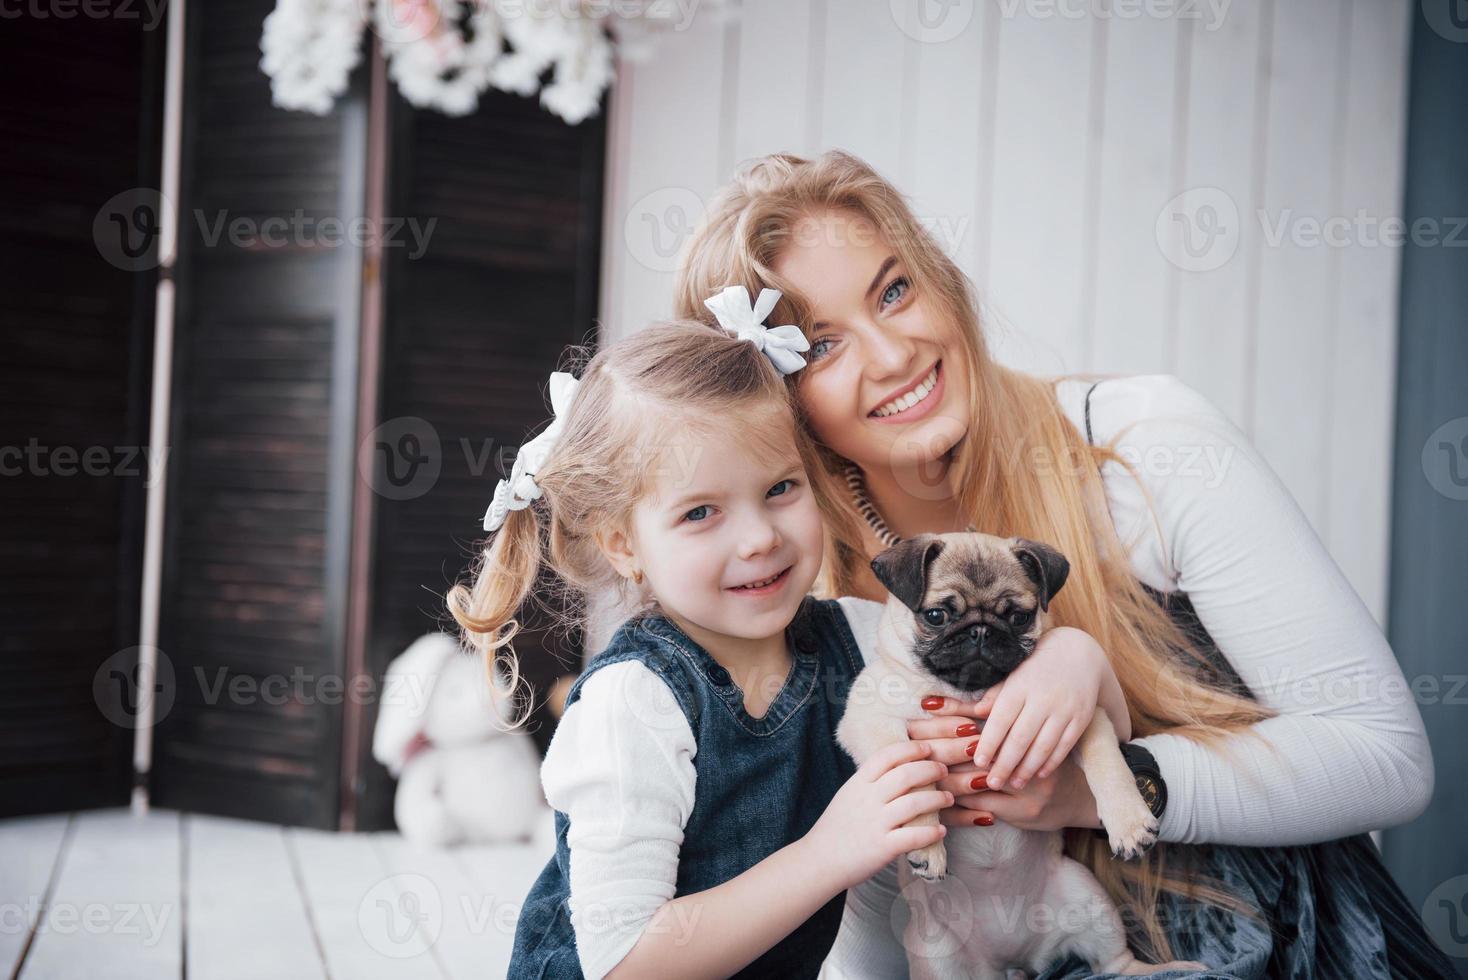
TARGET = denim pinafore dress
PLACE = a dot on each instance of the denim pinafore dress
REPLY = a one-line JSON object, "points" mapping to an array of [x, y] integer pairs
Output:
{"points": [[762, 782]]}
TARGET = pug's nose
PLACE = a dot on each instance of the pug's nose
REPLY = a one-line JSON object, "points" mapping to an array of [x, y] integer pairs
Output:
{"points": [[976, 633]]}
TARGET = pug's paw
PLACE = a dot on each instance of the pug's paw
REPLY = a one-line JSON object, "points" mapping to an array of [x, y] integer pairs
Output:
{"points": [[929, 863], [1130, 827]]}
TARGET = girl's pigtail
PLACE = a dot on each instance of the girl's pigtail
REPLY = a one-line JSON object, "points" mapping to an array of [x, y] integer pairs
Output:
{"points": [[486, 611]]}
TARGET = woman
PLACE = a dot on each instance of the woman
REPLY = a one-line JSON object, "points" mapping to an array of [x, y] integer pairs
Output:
{"points": [[1268, 712]]}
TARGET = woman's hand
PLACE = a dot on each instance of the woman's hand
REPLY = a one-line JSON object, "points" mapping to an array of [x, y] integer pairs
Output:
{"points": [[863, 827], [1053, 802], [1029, 723]]}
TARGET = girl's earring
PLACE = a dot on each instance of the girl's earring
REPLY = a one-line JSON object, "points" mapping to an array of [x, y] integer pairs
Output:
{"points": [[637, 575]]}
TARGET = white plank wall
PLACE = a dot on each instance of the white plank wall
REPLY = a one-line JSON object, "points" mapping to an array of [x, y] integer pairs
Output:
{"points": [[1043, 143]]}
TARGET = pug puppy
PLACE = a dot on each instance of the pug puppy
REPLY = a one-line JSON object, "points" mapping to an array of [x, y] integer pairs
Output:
{"points": [[966, 610]]}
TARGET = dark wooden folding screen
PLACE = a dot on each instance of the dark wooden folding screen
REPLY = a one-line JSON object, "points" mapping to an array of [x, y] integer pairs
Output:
{"points": [[490, 227], [79, 126]]}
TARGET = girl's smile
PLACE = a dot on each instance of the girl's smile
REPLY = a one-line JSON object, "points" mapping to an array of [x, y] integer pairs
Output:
{"points": [[764, 586]]}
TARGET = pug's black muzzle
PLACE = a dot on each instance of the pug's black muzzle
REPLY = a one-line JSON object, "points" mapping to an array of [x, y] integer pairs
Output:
{"points": [[974, 657]]}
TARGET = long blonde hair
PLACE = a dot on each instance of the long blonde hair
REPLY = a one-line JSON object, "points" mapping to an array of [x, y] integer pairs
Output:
{"points": [[633, 397], [1015, 417]]}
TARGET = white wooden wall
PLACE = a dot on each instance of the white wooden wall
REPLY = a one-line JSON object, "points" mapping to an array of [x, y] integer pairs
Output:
{"points": [[1043, 140]]}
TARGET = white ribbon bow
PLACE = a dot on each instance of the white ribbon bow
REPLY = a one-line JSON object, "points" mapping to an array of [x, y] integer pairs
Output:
{"points": [[782, 345], [520, 490]]}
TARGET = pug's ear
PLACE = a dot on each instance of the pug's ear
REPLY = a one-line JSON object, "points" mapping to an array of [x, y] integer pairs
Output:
{"points": [[903, 568], [1045, 566]]}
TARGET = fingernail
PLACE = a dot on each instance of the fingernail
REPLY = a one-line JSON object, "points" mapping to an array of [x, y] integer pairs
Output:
{"points": [[980, 782], [1019, 784], [969, 729], [950, 797], [972, 748], [984, 820], [932, 703]]}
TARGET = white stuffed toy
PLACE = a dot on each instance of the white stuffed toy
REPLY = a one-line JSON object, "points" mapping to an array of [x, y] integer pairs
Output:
{"points": [[460, 778]]}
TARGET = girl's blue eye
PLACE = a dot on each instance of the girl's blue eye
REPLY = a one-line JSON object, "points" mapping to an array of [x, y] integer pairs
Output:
{"points": [[820, 348], [698, 513], [783, 487], [895, 290]]}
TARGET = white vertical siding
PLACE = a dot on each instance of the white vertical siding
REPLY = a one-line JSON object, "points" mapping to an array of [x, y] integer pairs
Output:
{"points": [[1042, 142]]}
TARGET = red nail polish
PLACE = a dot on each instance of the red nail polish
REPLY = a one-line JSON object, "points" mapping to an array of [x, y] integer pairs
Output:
{"points": [[932, 704], [969, 729], [972, 748], [984, 820], [980, 782]]}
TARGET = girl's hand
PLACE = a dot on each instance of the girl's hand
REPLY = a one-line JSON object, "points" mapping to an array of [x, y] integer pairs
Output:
{"points": [[861, 830], [1053, 802]]}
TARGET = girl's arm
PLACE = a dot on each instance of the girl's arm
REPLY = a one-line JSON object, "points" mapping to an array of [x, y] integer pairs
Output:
{"points": [[620, 768], [719, 931]]}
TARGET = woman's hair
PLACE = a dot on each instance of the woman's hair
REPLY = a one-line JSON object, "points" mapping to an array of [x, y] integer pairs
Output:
{"points": [[635, 398], [1023, 469]]}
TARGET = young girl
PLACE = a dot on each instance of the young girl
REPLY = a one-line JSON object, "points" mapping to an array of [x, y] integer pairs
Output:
{"points": [[706, 821]]}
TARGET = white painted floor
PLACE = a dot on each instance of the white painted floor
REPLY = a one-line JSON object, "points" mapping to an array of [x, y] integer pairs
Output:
{"points": [[106, 894]]}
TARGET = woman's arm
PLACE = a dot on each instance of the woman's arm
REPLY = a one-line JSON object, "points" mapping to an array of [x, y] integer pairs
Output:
{"points": [[1348, 751]]}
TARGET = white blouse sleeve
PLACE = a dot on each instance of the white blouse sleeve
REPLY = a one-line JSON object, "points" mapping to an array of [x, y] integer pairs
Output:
{"points": [[620, 766], [1347, 752]]}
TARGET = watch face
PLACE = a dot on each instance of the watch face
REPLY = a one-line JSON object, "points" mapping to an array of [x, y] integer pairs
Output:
{"points": [[1147, 786]]}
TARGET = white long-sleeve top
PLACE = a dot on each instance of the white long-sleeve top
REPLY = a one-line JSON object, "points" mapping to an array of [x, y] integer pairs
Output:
{"points": [[1346, 754], [620, 766]]}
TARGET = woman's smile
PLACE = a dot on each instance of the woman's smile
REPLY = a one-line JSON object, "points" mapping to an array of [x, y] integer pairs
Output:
{"points": [[912, 401]]}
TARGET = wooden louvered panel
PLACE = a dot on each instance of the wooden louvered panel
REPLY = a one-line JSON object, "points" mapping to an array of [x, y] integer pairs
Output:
{"points": [[258, 430], [473, 328], [80, 110]]}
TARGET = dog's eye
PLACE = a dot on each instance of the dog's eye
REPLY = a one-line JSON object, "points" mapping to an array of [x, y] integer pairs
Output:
{"points": [[935, 616], [1022, 618]]}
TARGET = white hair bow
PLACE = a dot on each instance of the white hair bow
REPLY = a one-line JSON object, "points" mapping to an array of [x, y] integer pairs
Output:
{"points": [[520, 490], [782, 345]]}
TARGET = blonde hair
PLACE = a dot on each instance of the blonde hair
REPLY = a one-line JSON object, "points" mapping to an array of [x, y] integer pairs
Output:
{"points": [[634, 396], [1014, 416]]}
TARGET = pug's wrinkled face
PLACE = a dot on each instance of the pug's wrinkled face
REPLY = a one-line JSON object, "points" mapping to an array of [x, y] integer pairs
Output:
{"points": [[977, 602]]}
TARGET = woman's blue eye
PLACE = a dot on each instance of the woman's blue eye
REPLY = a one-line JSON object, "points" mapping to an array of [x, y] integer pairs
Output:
{"points": [[895, 291], [784, 486], [698, 513], [820, 348]]}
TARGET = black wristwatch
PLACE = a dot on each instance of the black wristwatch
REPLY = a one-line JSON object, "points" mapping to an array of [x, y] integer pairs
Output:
{"points": [[1149, 778]]}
